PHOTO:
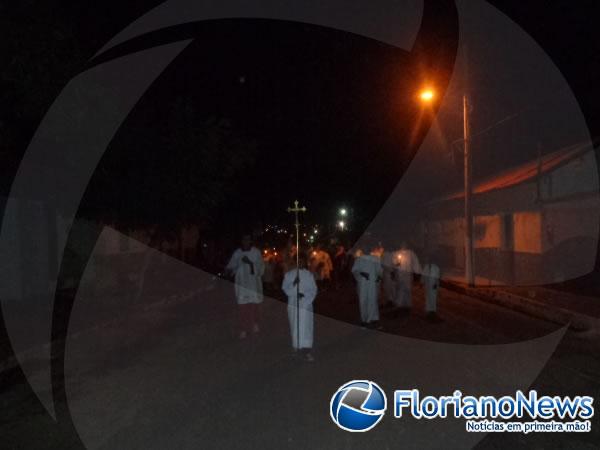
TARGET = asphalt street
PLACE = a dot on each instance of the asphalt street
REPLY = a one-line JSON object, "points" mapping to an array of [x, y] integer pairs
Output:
{"points": [[178, 377]]}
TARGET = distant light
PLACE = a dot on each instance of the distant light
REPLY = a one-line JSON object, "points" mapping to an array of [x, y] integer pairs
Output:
{"points": [[341, 224], [343, 212], [427, 95], [316, 231]]}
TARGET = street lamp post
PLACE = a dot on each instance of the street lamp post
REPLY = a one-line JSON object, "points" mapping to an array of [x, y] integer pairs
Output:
{"points": [[427, 96], [468, 194]]}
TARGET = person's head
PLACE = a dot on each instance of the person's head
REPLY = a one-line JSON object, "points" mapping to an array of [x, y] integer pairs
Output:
{"points": [[246, 242], [377, 249]]}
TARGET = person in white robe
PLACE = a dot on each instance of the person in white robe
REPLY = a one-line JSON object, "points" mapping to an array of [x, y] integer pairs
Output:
{"points": [[431, 282], [367, 271], [407, 265], [301, 289], [247, 267]]}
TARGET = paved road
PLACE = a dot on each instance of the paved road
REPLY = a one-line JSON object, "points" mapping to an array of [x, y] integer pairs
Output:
{"points": [[178, 378]]}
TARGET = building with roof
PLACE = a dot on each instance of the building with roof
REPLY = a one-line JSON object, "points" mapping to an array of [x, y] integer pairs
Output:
{"points": [[536, 223]]}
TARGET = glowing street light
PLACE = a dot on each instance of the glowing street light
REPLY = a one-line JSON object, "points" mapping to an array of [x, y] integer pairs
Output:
{"points": [[427, 95], [341, 224], [343, 212]]}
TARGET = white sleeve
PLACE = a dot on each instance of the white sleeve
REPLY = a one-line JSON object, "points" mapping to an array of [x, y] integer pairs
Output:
{"points": [[309, 287], [234, 261], [288, 283]]}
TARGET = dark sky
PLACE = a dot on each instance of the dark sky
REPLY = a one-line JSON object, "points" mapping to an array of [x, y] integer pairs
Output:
{"points": [[328, 114]]}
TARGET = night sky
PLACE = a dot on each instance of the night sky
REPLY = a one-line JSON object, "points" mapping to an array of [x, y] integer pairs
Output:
{"points": [[327, 115], [322, 115]]}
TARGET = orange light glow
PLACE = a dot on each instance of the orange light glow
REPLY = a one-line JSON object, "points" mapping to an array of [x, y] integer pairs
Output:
{"points": [[427, 95]]}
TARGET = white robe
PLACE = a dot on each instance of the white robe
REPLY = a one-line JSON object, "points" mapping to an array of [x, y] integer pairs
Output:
{"points": [[431, 281], [308, 287], [367, 289], [407, 264], [248, 285]]}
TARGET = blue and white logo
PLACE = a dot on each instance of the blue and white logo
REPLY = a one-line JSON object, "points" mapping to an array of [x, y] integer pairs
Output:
{"points": [[358, 406]]}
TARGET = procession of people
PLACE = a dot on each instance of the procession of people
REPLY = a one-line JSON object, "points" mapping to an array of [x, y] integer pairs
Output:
{"points": [[383, 276]]}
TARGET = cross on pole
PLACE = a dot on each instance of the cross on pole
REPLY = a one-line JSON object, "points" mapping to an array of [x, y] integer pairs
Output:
{"points": [[297, 209]]}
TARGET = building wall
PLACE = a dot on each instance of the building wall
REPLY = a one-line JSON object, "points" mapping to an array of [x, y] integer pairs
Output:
{"points": [[570, 237], [565, 221], [527, 232], [487, 231], [549, 243], [542, 231], [579, 175], [446, 239]]}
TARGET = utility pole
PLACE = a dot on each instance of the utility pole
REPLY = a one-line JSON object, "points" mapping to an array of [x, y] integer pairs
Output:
{"points": [[427, 96], [468, 195], [469, 272]]}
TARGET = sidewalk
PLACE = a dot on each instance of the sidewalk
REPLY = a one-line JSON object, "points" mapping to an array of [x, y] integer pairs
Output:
{"points": [[580, 312]]}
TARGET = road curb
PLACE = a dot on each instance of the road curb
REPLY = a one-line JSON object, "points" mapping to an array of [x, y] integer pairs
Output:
{"points": [[531, 307]]}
